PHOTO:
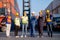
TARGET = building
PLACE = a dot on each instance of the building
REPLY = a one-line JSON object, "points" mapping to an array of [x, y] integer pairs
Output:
{"points": [[54, 6], [9, 5]]}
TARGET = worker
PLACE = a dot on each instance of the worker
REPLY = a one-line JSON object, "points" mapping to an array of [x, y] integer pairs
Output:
{"points": [[24, 25], [17, 24], [40, 23], [32, 27], [8, 24], [49, 22]]}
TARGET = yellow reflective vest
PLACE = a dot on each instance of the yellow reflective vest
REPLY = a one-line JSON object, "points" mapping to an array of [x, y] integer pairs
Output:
{"points": [[17, 21], [48, 18]]}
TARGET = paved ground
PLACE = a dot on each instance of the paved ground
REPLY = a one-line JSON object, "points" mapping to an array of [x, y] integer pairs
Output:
{"points": [[56, 36]]}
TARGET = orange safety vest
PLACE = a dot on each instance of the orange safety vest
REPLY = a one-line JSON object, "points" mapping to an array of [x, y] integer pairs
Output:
{"points": [[9, 19]]}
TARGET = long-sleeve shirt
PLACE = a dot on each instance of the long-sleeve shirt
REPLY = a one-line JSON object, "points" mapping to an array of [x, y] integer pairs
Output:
{"points": [[33, 19]]}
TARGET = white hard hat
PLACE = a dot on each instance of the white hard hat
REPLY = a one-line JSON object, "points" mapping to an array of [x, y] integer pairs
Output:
{"points": [[33, 12]]}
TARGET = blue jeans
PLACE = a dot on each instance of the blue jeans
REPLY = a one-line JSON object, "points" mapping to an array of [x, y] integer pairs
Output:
{"points": [[49, 28], [24, 29], [32, 28]]}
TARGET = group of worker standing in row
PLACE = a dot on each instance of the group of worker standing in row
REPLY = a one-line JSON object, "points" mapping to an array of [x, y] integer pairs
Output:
{"points": [[40, 22]]}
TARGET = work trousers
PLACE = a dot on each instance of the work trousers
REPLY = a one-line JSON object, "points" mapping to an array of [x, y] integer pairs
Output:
{"points": [[49, 29], [8, 29], [16, 30]]}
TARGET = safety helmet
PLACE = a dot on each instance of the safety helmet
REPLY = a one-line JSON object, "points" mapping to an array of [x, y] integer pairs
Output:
{"points": [[33, 12], [17, 14], [47, 11]]}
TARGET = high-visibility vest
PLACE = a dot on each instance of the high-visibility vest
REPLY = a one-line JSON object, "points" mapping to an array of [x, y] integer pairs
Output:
{"points": [[9, 19], [24, 19], [48, 19], [17, 21]]}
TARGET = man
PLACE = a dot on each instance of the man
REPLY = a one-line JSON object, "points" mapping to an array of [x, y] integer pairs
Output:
{"points": [[24, 24], [33, 20], [8, 24], [40, 24], [49, 23], [17, 24]]}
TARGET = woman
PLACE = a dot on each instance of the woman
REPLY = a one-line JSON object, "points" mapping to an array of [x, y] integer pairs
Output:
{"points": [[24, 24], [40, 24]]}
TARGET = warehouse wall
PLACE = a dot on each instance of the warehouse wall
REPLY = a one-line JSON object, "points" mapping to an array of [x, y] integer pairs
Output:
{"points": [[54, 6]]}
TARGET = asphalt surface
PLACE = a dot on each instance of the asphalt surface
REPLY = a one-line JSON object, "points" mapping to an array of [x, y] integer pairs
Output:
{"points": [[56, 36]]}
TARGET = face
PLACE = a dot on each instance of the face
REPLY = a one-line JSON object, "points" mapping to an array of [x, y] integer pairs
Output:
{"points": [[47, 13], [9, 14], [32, 14], [17, 16], [40, 13], [24, 13]]}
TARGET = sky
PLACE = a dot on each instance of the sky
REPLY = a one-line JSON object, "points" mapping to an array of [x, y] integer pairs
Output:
{"points": [[36, 5]]}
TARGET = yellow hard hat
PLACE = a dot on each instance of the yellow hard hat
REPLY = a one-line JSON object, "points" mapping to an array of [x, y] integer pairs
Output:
{"points": [[47, 11], [17, 14]]}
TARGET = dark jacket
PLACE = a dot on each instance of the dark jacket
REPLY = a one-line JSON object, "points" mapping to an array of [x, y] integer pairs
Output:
{"points": [[40, 21], [33, 19]]}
